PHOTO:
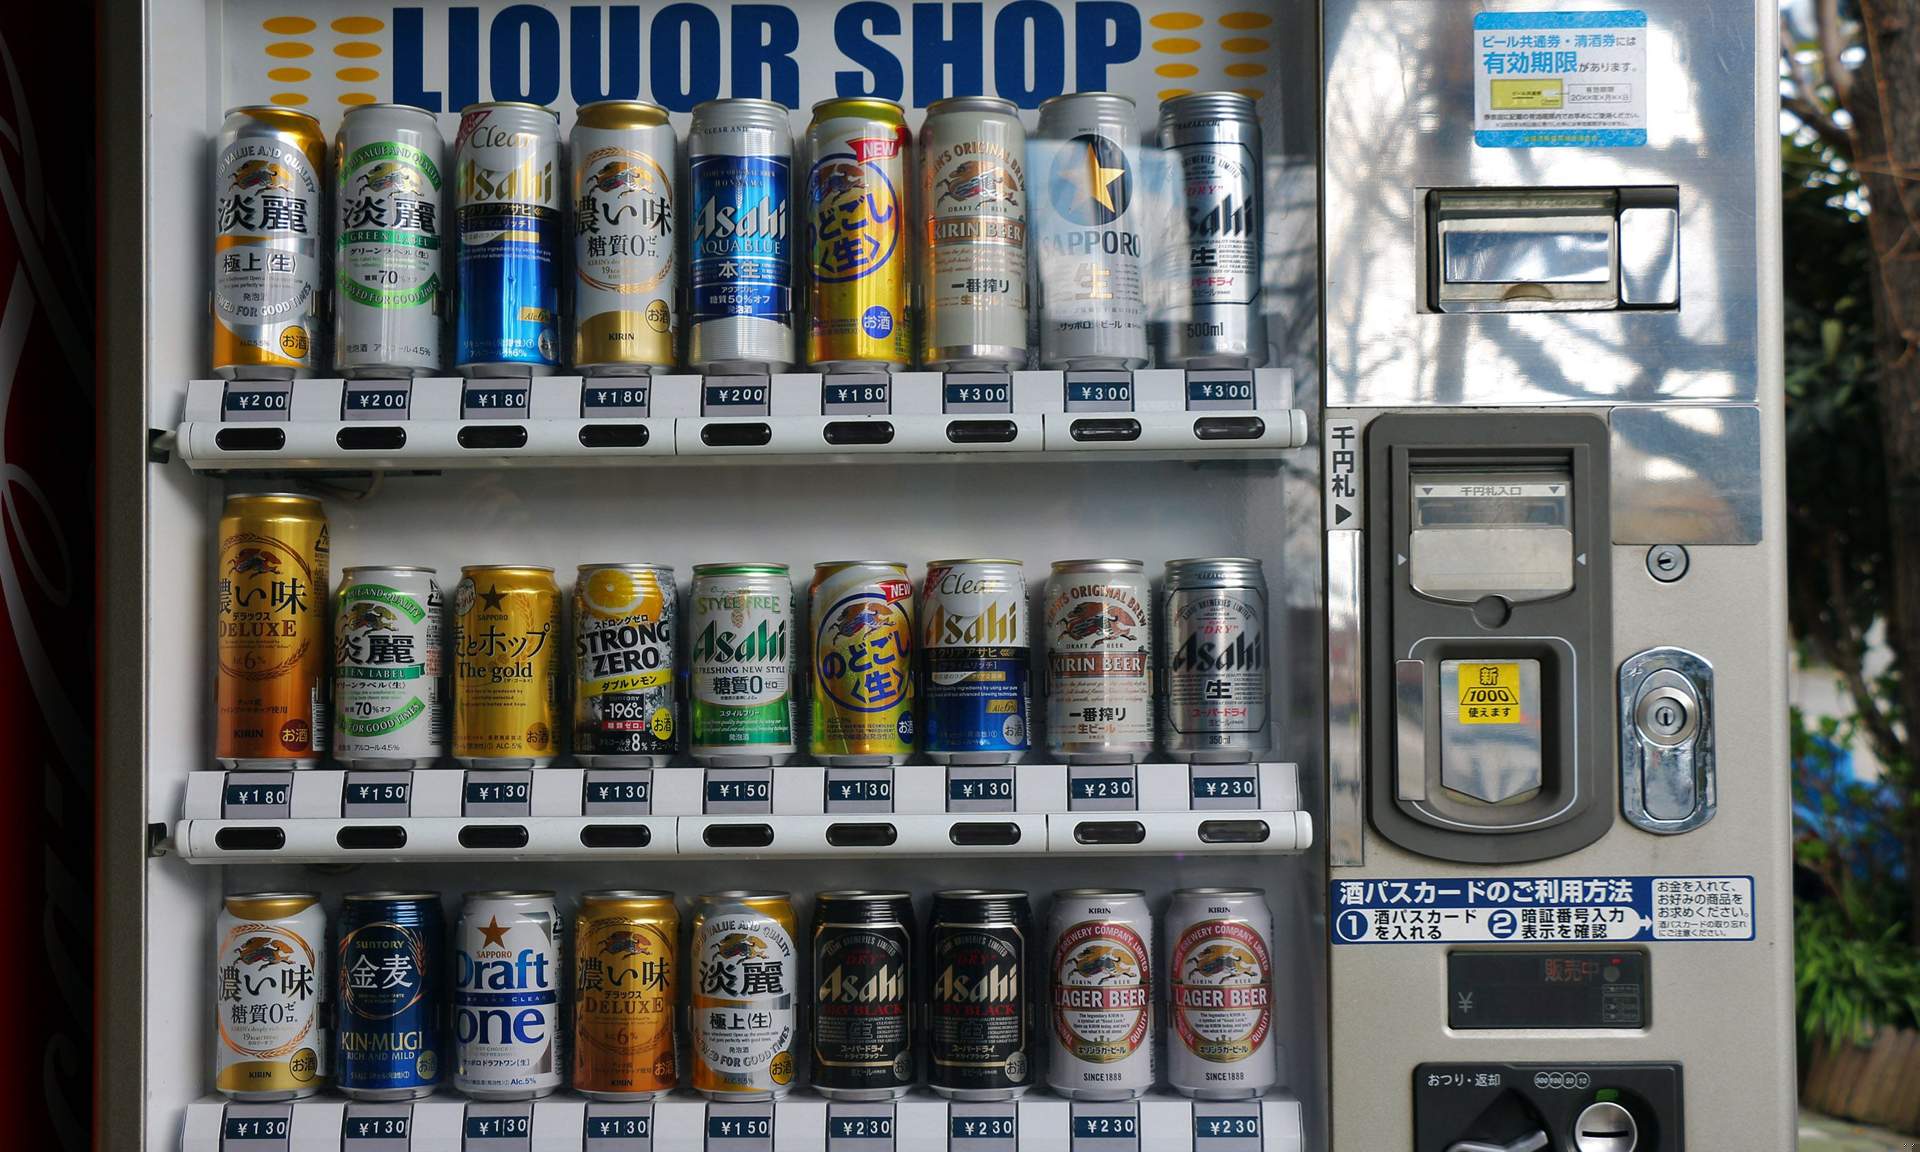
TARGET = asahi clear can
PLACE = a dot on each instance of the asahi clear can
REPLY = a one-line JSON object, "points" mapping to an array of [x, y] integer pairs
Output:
{"points": [[744, 1014], [389, 691], [980, 994], [626, 979], [625, 686], [508, 193], [506, 666], [269, 995], [859, 247], [1100, 985], [1099, 637], [973, 198], [741, 666], [509, 1018], [1088, 223], [1215, 681], [740, 262], [865, 998], [1219, 972], [974, 661], [269, 244], [626, 272], [1213, 317], [389, 163], [270, 632], [861, 615]]}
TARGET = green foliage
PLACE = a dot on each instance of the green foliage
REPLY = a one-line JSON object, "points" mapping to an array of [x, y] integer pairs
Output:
{"points": [[1847, 986]]}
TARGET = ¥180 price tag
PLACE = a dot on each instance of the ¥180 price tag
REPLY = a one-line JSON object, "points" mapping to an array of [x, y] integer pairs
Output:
{"points": [[626, 398], [481, 400]]}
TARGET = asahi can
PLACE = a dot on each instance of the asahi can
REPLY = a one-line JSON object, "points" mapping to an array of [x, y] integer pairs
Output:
{"points": [[741, 665], [270, 988], [745, 995], [1215, 687], [507, 192], [973, 197], [1213, 318], [865, 996], [626, 266], [626, 978], [625, 685], [980, 980], [509, 1019], [389, 165], [861, 614], [1099, 630], [740, 266], [1100, 973], [391, 963], [974, 661], [1088, 222], [271, 640], [859, 248], [269, 244], [389, 693], [1220, 993], [506, 666]]}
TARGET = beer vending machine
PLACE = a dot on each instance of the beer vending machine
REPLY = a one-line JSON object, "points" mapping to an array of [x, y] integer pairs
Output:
{"points": [[494, 389]]}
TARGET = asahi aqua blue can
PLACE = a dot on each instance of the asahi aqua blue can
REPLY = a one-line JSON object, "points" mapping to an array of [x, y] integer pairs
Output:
{"points": [[740, 293], [507, 192], [390, 963]]}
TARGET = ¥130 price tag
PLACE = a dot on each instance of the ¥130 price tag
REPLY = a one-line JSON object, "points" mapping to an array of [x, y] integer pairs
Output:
{"points": [[618, 1127], [859, 790], [974, 788], [491, 793]]}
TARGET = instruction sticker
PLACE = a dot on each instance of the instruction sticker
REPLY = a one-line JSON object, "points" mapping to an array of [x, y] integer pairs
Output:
{"points": [[1560, 79], [1542, 910], [1490, 693]]}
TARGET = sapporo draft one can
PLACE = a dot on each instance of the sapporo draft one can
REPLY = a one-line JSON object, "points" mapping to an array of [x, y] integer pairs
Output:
{"points": [[1088, 223], [506, 668], [861, 613], [1220, 993], [509, 1029], [1099, 630], [973, 198], [389, 165], [741, 665], [626, 974], [980, 977], [271, 632], [974, 661], [270, 984], [864, 995], [625, 687], [269, 244], [740, 266], [390, 963], [746, 983], [1100, 972], [1213, 318], [859, 246], [507, 191], [1216, 680], [626, 268], [388, 689]]}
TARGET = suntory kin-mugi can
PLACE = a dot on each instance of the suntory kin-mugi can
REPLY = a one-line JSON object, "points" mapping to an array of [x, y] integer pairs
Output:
{"points": [[1219, 973], [626, 260], [509, 1023], [974, 661], [389, 166], [1088, 220], [1215, 685], [865, 998], [861, 614], [270, 991], [626, 976], [1213, 319], [980, 984], [1100, 994], [1099, 643], [390, 967], [389, 691], [508, 190], [746, 987], [973, 197], [859, 246], [269, 244], [506, 666], [741, 665], [740, 241], [270, 632], [625, 685]]}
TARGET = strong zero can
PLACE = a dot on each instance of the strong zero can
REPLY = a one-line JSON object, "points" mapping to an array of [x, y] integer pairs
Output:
{"points": [[624, 158], [1214, 318], [864, 995], [1087, 224], [859, 248], [508, 1020], [1100, 972], [389, 162], [980, 980], [1216, 686], [625, 685], [1099, 629], [391, 960], [269, 244], [507, 191], [973, 197], [740, 264], [1220, 993], [861, 617], [740, 674], [974, 661], [270, 988], [389, 693], [745, 995]]}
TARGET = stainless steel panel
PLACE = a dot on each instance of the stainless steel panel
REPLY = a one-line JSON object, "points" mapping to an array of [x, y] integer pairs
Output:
{"points": [[1346, 695], [1650, 257], [1462, 565], [1410, 719], [1686, 474], [1490, 760]]}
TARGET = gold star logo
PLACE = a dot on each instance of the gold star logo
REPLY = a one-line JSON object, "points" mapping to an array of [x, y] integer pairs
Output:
{"points": [[1100, 180], [493, 932]]}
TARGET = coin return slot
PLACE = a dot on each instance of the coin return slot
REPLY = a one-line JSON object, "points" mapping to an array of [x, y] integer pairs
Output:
{"points": [[384, 438], [372, 838], [1109, 832], [613, 436], [738, 835], [1234, 832], [858, 432], [250, 839], [877, 835], [482, 437], [493, 836], [751, 435], [1229, 428], [982, 431], [1119, 430], [984, 835], [250, 439], [616, 836]]}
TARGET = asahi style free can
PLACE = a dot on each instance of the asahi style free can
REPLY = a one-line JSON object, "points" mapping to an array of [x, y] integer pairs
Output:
{"points": [[270, 632], [865, 996], [506, 666], [1099, 633], [1215, 685], [1100, 977], [974, 661], [509, 1023], [741, 665], [626, 975], [740, 245], [859, 247], [1213, 319], [390, 964], [745, 994], [270, 988], [980, 982], [389, 691], [389, 164], [508, 187], [1220, 993], [973, 198], [625, 685], [269, 244], [626, 262], [861, 613], [1088, 221]]}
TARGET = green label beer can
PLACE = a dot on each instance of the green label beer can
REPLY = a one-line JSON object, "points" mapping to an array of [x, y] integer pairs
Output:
{"points": [[389, 213], [741, 665], [387, 664]]}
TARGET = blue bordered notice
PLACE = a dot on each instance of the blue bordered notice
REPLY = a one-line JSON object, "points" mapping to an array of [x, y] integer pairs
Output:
{"points": [[1560, 79], [1542, 910]]}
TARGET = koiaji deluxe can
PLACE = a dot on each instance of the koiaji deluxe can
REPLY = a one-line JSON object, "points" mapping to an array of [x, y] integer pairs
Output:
{"points": [[859, 248], [861, 616], [1087, 224], [269, 244], [1214, 318], [389, 162], [507, 193], [973, 197], [1215, 689], [1099, 632], [1220, 993], [506, 668], [974, 661], [864, 995], [270, 988], [741, 670], [743, 1010], [624, 157], [740, 266], [625, 685], [389, 694], [626, 975], [508, 1017], [271, 632], [979, 999], [390, 962], [1100, 973]]}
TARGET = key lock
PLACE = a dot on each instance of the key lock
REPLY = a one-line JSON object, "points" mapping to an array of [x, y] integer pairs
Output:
{"points": [[1666, 740]]}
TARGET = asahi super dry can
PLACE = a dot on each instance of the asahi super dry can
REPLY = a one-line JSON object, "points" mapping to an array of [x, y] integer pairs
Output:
{"points": [[391, 963], [506, 666], [508, 190], [980, 982], [859, 246], [741, 665], [625, 685], [269, 992], [862, 622], [389, 693], [269, 244], [864, 995], [740, 263], [389, 166], [1099, 634], [509, 1019], [1100, 973], [974, 661], [745, 995], [1215, 688], [626, 975], [1088, 222], [1213, 319], [271, 639], [626, 261], [1220, 993]]}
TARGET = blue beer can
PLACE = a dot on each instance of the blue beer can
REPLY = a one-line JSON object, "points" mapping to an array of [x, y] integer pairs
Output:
{"points": [[974, 662], [507, 190], [391, 961], [740, 284]]}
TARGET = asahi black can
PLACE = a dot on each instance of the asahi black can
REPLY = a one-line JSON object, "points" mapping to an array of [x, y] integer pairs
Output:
{"points": [[979, 1000], [863, 995]]}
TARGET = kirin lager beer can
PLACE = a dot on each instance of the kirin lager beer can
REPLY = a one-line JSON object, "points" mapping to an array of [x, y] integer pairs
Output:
{"points": [[745, 996], [389, 162], [1087, 225], [506, 667], [507, 192], [625, 687], [388, 689], [270, 985], [979, 994], [1100, 973], [625, 264], [626, 975], [1220, 993], [509, 1029], [861, 613], [864, 995], [1215, 678], [973, 197], [974, 661], [859, 247], [269, 244], [1099, 628], [740, 267], [741, 665], [1213, 319], [271, 632], [390, 963]]}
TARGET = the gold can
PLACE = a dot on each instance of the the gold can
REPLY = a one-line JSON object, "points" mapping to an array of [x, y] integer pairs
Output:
{"points": [[626, 973], [506, 667], [270, 987], [859, 248], [746, 989], [271, 634]]}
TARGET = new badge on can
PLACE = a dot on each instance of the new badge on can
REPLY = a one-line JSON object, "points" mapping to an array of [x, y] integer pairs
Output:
{"points": [[862, 613], [857, 236]]}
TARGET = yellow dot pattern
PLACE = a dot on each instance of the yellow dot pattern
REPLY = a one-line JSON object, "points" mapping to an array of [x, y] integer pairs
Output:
{"points": [[1195, 35], [350, 41]]}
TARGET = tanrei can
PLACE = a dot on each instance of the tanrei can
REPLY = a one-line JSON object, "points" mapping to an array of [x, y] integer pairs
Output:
{"points": [[1220, 993], [389, 162], [270, 985], [626, 974], [625, 261], [1100, 971], [741, 665], [974, 661], [270, 639], [740, 266], [864, 995], [506, 667], [1099, 631], [269, 244], [625, 688], [1214, 319], [973, 197], [980, 978], [1088, 222], [862, 620], [388, 689], [391, 962], [508, 1017], [1216, 683], [507, 191], [858, 244], [746, 984]]}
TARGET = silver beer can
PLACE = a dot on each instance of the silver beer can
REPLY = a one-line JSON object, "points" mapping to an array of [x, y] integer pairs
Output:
{"points": [[744, 1013], [269, 244], [975, 662], [740, 672], [1215, 687], [740, 237], [509, 1022], [1219, 972], [1100, 994], [973, 274], [624, 156], [626, 697], [509, 193], [389, 163], [270, 991], [1099, 642], [1213, 317], [1088, 222], [389, 691]]}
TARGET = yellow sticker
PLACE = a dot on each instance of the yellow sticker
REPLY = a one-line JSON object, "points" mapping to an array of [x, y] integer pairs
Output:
{"points": [[1490, 693], [1525, 95]]}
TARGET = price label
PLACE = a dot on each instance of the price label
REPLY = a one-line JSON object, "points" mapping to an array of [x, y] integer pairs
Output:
{"points": [[377, 794], [376, 400], [1220, 393], [479, 793], [860, 1128], [859, 789], [628, 398], [499, 1127], [975, 789], [1105, 1127], [498, 793], [484, 401], [735, 399], [1102, 791], [619, 1127], [1245, 1127], [860, 395], [257, 400], [1214, 786], [257, 1128], [723, 1126], [1099, 392], [618, 792], [982, 1127], [275, 795], [992, 394], [1226, 1126], [737, 790], [376, 1127]]}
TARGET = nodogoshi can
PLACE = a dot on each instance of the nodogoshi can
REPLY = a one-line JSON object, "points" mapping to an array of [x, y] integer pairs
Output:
{"points": [[626, 974], [507, 191], [270, 621], [974, 661], [388, 690], [625, 265], [625, 687], [270, 985], [1220, 993], [864, 995], [506, 667], [391, 961], [1215, 688], [509, 1029], [743, 1017], [1087, 223], [862, 622], [740, 267], [1100, 972], [269, 244], [1099, 628], [1214, 318], [979, 994], [973, 197], [389, 160], [859, 247], [741, 657]]}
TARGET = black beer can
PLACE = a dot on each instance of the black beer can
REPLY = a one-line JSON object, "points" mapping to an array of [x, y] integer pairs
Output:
{"points": [[863, 986], [979, 994]]}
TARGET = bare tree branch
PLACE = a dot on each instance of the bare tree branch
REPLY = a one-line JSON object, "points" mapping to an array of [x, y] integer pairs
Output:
{"points": [[1823, 125], [1829, 33], [1847, 642]]}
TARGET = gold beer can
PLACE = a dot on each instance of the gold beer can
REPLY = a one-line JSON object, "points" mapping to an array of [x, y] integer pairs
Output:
{"points": [[270, 988], [271, 637], [270, 236], [744, 1019], [862, 620], [506, 667], [859, 248], [626, 973]]}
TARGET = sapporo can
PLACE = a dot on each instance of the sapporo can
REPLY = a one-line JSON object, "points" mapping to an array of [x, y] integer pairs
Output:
{"points": [[979, 994], [741, 665], [269, 244], [506, 667], [1100, 973], [973, 197], [1099, 635], [390, 962], [270, 987], [625, 685], [509, 1032], [974, 661], [859, 248], [1088, 223], [271, 632], [1216, 681], [861, 614], [389, 165], [1220, 993], [507, 193], [1213, 319], [389, 691], [626, 975], [626, 268], [745, 995], [740, 267], [864, 995]]}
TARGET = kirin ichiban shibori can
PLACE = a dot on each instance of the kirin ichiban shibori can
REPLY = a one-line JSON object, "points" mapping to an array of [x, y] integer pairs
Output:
{"points": [[625, 260], [625, 686], [389, 694], [743, 1014], [626, 975], [1215, 689], [270, 988], [973, 197], [741, 674], [390, 963], [862, 621], [1100, 976], [507, 192], [974, 661], [858, 243], [864, 995], [506, 667], [1099, 631], [980, 980], [1088, 222], [740, 267], [1214, 319], [389, 162], [269, 244], [270, 624], [509, 1026], [1220, 993]]}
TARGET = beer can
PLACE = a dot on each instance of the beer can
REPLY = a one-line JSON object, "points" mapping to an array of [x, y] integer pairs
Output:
{"points": [[1220, 993], [741, 665], [626, 271], [861, 615], [1099, 628], [1213, 318], [626, 976], [979, 1003], [1215, 688], [389, 164], [1088, 224], [625, 687], [390, 962], [271, 632], [507, 193], [270, 985], [506, 667], [269, 244], [509, 1029], [859, 248], [973, 197], [740, 267], [743, 1013], [864, 995], [389, 693], [974, 661], [1100, 968]]}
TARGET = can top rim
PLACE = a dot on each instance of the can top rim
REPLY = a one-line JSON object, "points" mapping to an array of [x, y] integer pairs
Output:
{"points": [[741, 102], [626, 566], [509, 104], [387, 568], [1116, 563], [388, 106], [1064, 97], [506, 567], [997, 103], [511, 894], [301, 496], [1203, 891], [1104, 893], [744, 894], [858, 101], [900, 564], [626, 894], [721, 566], [876, 895], [288, 895], [975, 560], [276, 109], [979, 894], [1223, 96], [391, 894], [647, 106], [1202, 561]]}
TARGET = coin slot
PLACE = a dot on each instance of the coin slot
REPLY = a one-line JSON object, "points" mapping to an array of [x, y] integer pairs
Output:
{"points": [[737, 835], [493, 836], [613, 436], [1234, 832], [1229, 428], [371, 837], [992, 834], [875, 835], [250, 839], [1111, 431], [384, 438], [752, 434], [1109, 832], [250, 439], [858, 432], [485, 437], [616, 836], [982, 431]]}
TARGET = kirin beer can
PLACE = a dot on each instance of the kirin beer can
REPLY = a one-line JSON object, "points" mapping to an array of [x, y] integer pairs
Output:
{"points": [[506, 667], [1220, 993], [740, 267], [743, 1013], [973, 197], [979, 994], [974, 661], [864, 995], [626, 975], [390, 963], [509, 1029], [1213, 319], [1215, 681], [389, 162], [1099, 630], [271, 632], [269, 244], [741, 665], [1088, 223], [626, 268], [862, 621], [389, 693], [625, 686], [507, 192], [270, 985], [859, 247], [1100, 972]]}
